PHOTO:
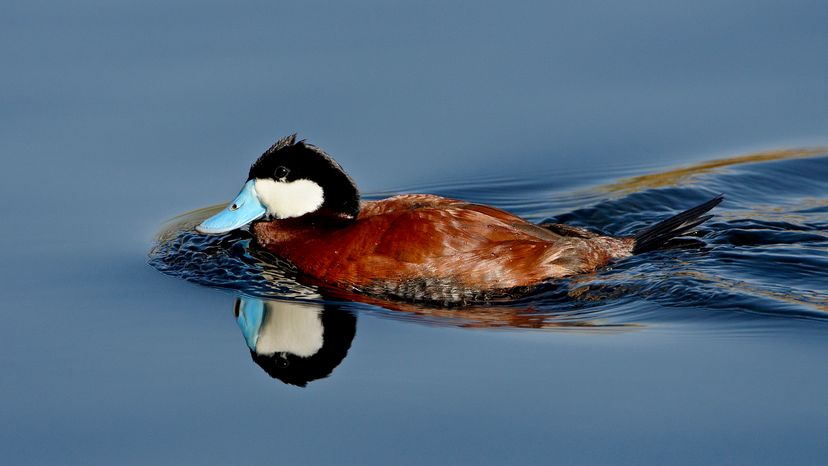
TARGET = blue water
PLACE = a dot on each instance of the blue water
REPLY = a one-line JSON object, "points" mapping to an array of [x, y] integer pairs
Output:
{"points": [[117, 117]]}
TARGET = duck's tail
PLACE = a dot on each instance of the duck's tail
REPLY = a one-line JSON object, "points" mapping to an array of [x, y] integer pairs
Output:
{"points": [[653, 237]]}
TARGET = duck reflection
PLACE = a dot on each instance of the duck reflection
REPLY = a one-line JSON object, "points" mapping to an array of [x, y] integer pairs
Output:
{"points": [[295, 342], [298, 342]]}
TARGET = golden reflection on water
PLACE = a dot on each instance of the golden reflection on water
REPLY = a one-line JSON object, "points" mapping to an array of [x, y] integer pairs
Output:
{"points": [[687, 175]]}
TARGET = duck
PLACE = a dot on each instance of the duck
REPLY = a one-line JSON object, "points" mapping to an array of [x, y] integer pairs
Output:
{"points": [[300, 205]]}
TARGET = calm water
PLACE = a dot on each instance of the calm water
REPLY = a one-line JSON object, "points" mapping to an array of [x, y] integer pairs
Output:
{"points": [[117, 117]]}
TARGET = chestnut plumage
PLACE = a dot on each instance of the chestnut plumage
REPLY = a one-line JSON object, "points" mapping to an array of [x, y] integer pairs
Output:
{"points": [[419, 246]]}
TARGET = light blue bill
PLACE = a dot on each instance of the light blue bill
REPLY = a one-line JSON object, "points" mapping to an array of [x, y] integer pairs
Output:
{"points": [[250, 318], [245, 208]]}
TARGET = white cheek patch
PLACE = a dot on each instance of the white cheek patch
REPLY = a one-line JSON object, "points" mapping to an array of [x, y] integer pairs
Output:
{"points": [[291, 328], [287, 199]]}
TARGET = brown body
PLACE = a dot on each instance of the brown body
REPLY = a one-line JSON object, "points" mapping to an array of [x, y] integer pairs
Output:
{"points": [[433, 248]]}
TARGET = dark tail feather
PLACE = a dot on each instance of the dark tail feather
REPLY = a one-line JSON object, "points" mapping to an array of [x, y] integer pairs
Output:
{"points": [[655, 236]]}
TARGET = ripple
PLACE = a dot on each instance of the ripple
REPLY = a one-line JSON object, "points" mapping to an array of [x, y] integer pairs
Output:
{"points": [[763, 259]]}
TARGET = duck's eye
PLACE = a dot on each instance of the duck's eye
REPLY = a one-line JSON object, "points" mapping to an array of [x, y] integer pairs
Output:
{"points": [[280, 173]]}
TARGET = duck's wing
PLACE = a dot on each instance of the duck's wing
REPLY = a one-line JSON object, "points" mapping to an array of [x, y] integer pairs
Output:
{"points": [[563, 229], [405, 202]]}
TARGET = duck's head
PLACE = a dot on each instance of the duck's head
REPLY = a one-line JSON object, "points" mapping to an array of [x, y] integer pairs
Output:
{"points": [[291, 179], [292, 341]]}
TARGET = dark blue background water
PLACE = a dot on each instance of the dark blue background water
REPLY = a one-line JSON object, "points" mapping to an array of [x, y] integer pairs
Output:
{"points": [[117, 116]]}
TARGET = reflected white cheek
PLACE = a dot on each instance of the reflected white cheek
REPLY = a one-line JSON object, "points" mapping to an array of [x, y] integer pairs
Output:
{"points": [[291, 328], [287, 199]]}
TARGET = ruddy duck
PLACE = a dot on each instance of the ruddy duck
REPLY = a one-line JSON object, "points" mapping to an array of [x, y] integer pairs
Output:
{"points": [[305, 209]]}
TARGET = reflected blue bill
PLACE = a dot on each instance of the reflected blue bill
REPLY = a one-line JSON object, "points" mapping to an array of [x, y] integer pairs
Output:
{"points": [[250, 318]]}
